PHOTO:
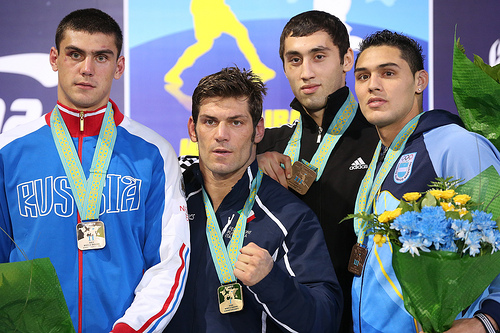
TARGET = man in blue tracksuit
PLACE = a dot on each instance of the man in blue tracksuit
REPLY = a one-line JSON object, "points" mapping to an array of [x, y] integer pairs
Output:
{"points": [[415, 148], [129, 274], [281, 267]]}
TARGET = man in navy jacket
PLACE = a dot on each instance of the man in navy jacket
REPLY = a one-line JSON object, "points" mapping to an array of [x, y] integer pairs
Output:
{"points": [[279, 277]]}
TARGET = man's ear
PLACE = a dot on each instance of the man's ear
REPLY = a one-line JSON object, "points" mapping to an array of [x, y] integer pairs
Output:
{"points": [[421, 81], [259, 131], [120, 67], [348, 60], [53, 58], [192, 129]]}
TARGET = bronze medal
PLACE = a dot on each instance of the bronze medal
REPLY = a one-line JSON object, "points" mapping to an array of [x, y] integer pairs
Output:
{"points": [[230, 297], [302, 178], [357, 259], [90, 235]]}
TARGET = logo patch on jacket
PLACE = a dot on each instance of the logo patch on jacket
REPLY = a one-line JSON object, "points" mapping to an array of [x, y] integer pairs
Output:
{"points": [[251, 215], [403, 168]]}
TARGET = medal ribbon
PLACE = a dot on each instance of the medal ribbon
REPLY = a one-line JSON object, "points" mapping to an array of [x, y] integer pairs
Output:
{"points": [[340, 123], [370, 187], [225, 258], [87, 193]]}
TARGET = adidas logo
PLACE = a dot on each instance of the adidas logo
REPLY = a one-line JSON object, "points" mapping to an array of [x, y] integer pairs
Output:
{"points": [[358, 164]]}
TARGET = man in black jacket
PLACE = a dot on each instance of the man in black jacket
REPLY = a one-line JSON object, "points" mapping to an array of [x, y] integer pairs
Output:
{"points": [[331, 143]]}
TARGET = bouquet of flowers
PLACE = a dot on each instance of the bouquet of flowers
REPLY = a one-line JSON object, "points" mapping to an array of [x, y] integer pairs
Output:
{"points": [[446, 246]]}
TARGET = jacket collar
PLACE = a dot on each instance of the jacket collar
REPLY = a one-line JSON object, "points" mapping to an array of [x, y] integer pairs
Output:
{"points": [[433, 119], [333, 104], [240, 191], [92, 119]]}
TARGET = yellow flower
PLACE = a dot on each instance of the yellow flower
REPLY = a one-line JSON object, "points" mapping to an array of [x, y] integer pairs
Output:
{"points": [[447, 206], [463, 211], [436, 193], [411, 196], [448, 194], [389, 215], [440, 194], [379, 239], [461, 199]]}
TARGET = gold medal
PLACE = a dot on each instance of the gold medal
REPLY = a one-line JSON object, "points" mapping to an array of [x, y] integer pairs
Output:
{"points": [[302, 178], [90, 235], [230, 297], [357, 259]]}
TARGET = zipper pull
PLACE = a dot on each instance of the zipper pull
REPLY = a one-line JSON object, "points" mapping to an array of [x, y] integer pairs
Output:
{"points": [[320, 130], [81, 121]]}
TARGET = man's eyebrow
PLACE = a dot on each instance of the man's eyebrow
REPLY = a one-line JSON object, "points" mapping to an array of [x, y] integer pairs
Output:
{"points": [[313, 50], [77, 49], [388, 64], [207, 116], [238, 116], [231, 118], [319, 49]]}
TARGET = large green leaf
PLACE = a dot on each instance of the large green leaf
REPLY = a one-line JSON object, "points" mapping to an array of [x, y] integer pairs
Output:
{"points": [[476, 91], [485, 190], [32, 299]]}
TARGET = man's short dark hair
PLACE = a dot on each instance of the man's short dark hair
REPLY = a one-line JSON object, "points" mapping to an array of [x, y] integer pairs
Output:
{"points": [[411, 51], [231, 82], [90, 20], [307, 23]]}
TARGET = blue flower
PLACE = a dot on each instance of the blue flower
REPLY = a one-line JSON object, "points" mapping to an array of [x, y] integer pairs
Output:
{"points": [[473, 241], [405, 222], [490, 237], [449, 244], [413, 243], [433, 225], [482, 220], [461, 228]]}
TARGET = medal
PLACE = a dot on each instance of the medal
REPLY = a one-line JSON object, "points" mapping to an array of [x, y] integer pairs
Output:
{"points": [[303, 176], [357, 259], [86, 192], [229, 294], [230, 297], [90, 235], [339, 125]]}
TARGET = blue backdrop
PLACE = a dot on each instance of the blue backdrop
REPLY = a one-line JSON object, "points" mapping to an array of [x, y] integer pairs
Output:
{"points": [[170, 45]]}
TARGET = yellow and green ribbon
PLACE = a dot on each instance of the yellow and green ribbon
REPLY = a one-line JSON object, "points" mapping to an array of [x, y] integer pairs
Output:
{"points": [[370, 185], [340, 123], [87, 192], [224, 257]]}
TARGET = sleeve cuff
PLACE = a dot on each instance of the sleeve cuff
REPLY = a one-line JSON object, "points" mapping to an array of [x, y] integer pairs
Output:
{"points": [[491, 308]]}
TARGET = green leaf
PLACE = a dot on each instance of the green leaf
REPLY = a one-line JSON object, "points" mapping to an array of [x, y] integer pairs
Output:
{"points": [[405, 207], [429, 200], [485, 188], [452, 215], [362, 215], [476, 91], [493, 72], [467, 216]]}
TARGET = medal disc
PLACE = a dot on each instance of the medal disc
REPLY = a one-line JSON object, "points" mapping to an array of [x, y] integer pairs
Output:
{"points": [[90, 235], [357, 259], [302, 177], [230, 297]]}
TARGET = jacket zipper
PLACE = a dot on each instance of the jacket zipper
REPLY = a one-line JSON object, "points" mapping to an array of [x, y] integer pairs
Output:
{"points": [[80, 252], [81, 121], [361, 290], [320, 130]]}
